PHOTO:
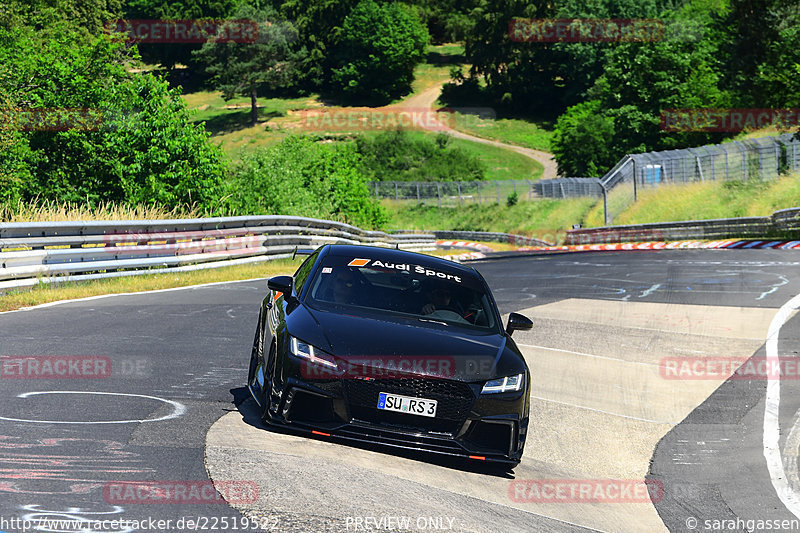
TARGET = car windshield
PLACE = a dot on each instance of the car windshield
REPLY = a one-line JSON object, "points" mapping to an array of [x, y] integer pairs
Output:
{"points": [[423, 292]]}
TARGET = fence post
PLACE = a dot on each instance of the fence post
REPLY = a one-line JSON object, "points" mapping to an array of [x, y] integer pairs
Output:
{"points": [[683, 169], [418, 193], [606, 218], [376, 191], [497, 188], [744, 163], [439, 193], [713, 178], [460, 200], [727, 175], [479, 193], [395, 192]]}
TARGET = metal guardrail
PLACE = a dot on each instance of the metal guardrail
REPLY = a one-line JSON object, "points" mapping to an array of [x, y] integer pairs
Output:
{"points": [[486, 236], [783, 224], [46, 252], [49, 252]]}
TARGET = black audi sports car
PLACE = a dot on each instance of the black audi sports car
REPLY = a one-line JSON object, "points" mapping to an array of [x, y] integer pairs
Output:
{"points": [[392, 347]]}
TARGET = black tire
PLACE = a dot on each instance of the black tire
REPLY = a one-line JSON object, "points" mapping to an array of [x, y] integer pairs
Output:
{"points": [[269, 369], [256, 352]]}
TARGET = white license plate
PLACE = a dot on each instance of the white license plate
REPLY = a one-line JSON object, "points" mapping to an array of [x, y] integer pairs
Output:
{"points": [[406, 404]]}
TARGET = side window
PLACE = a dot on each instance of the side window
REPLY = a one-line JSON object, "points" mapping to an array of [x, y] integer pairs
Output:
{"points": [[302, 273]]}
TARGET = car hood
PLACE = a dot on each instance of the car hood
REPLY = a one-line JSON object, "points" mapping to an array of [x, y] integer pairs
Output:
{"points": [[423, 348]]}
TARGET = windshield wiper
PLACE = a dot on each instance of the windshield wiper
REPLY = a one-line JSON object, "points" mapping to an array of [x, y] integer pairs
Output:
{"points": [[433, 321]]}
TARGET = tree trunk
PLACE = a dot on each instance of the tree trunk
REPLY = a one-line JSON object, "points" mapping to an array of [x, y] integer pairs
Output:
{"points": [[253, 107]]}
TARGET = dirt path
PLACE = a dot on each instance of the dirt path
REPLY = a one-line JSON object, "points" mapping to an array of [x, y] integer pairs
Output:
{"points": [[427, 100]]}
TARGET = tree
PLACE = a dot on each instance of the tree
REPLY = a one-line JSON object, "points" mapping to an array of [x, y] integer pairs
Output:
{"points": [[301, 177], [379, 47], [581, 141], [249, 68], [754, 35], [82, 15], [131, 142], [170, 54], [319, 24], [542, 77]]}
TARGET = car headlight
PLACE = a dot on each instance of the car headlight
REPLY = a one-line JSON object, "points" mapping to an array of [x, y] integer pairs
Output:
{"points": [[507, 384], [306, 351]]}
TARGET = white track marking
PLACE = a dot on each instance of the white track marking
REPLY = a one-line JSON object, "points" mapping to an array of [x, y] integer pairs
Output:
{"points": [[774, 287], [101, 296], [588, 355], [671, 423], [650, 291], [772, 430], [177, 408], [791, 448]]}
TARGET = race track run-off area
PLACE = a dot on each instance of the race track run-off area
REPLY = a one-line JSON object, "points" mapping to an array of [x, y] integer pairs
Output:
{"points": [[637, 423]]}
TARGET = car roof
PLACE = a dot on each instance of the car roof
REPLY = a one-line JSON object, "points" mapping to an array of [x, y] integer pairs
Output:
{"points": [[395, 255]]}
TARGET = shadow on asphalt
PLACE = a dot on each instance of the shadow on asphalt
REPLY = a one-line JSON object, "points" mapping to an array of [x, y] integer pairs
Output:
{"points": [[249, 410]]}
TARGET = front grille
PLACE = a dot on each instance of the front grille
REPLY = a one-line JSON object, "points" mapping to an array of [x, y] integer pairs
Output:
{"points": [[454, 401]]}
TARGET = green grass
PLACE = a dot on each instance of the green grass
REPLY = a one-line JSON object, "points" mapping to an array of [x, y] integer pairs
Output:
{"points": [[46, 293], [546, 219], [507, 130], [700, 201], [501, 164], [229, 122], [436, 68]]}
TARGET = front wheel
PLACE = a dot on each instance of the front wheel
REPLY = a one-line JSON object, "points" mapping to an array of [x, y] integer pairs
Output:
{"points": [[268, 370]]}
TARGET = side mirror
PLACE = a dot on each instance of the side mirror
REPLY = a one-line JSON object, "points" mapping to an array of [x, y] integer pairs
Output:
{"points": [[281, 284], [517, 321]]}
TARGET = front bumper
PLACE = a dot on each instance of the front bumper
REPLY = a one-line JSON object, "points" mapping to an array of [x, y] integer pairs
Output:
{"points": [[467, 424]]}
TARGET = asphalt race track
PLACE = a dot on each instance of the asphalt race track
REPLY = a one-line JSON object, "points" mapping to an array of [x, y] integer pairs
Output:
{"points": [[629, 408]]}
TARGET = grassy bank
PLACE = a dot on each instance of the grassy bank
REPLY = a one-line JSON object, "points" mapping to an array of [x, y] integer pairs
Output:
{"points": [[46, 211], [545, 219], [507, 130], [702, 201], [45, 293]]}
